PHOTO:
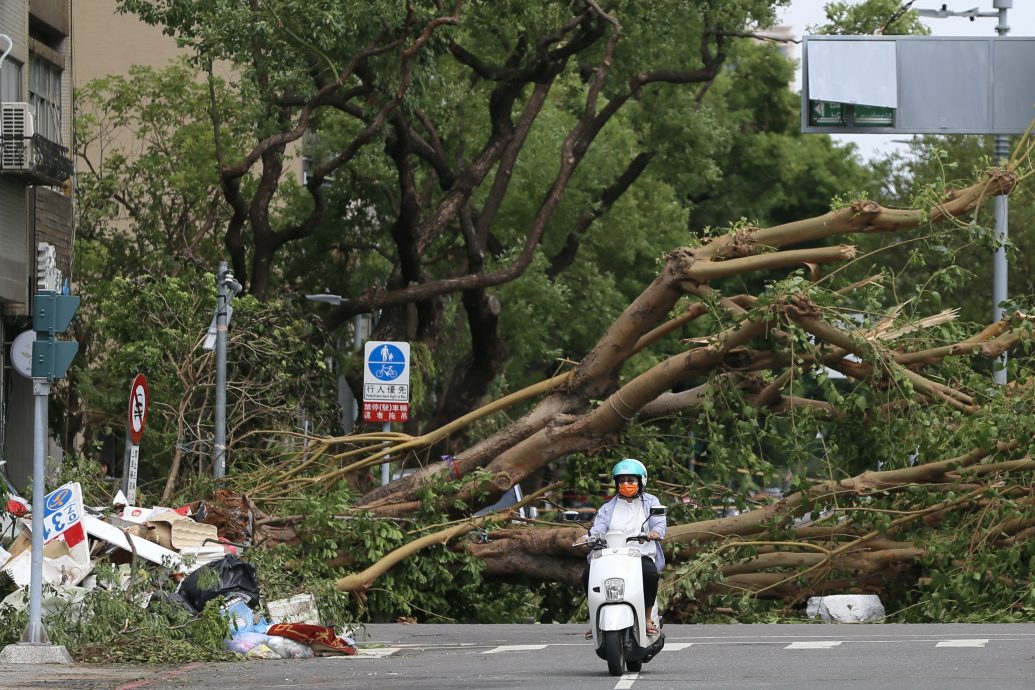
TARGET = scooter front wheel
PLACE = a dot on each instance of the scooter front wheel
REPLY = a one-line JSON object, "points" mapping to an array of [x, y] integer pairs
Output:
{"points": [[614, 650]]}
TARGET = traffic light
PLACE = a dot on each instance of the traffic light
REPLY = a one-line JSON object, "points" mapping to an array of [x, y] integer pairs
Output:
{"points": [[51, 314]]}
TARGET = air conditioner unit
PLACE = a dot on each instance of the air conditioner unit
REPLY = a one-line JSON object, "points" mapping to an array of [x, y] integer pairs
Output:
{"points": [[16, 131]]}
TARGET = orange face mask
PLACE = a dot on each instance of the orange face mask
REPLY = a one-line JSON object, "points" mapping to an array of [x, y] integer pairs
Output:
{"points": [[628, 490]]}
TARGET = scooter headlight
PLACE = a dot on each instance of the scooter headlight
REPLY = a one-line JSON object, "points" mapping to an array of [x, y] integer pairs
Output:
{"points": [[614, 589]]}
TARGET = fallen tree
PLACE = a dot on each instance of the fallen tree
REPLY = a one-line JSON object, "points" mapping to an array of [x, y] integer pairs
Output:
{"points": [[751, 337], [571, 139], [851, 534]]}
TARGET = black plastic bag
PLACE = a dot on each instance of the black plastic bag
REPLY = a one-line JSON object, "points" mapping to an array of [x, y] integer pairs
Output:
{"points": [[236, 577]]}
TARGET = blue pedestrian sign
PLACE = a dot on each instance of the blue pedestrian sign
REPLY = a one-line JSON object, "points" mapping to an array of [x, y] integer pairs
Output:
{"points": [[386, 361], [386, 381]]}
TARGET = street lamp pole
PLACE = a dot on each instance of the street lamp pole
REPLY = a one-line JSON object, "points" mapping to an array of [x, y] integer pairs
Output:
{"points": [[226, 288]]}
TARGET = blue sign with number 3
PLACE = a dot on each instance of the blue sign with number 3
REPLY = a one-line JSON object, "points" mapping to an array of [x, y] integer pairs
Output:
{"points": [[60, 511]]}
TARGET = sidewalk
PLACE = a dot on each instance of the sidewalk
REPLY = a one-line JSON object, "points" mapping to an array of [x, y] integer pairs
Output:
{"points": [[83, 676]]}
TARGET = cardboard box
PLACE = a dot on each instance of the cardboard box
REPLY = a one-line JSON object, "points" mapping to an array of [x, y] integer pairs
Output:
{"points": [[174, 531], [21, 543], [161, 524], [189, 534]]}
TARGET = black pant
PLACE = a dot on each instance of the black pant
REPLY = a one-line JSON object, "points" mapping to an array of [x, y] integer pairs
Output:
{"points": [[650, 583]]}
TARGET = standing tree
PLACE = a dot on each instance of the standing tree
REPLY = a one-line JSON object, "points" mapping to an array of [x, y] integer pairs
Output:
{"points": [[469, 165]]}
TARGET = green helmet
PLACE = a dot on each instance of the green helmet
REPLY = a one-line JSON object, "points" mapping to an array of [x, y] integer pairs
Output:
{"points": [[630, 466]]}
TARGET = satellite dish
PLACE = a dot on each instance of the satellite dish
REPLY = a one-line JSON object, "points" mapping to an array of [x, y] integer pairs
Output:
{"points": [[21, 353]]}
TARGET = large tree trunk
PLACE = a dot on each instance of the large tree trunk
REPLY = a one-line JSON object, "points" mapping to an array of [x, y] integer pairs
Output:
{"points": [[793, 562]]}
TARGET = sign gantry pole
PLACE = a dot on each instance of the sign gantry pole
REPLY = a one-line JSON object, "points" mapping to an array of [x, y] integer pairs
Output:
{"points": [[1000, 267], [927, 85]]}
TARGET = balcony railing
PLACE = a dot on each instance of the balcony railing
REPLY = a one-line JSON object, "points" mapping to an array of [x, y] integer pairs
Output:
{"points": [[35, 160]]}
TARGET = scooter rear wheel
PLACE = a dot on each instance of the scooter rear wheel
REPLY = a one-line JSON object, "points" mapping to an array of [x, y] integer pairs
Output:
{"points": [[614, 650], [634, 666]]}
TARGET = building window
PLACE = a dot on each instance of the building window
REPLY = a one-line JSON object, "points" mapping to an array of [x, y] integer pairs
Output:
{"points": [[45, 97]]}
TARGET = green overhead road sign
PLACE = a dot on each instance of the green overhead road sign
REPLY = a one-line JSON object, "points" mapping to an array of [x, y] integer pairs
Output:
{"points": [[830, 114], [51, 314]]}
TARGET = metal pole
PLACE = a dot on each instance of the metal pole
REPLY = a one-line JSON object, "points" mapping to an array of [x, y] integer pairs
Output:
{"points": [[346, 400], [219, 442], [1000, 267], [34, 632], [386, 470], [125, 466]]}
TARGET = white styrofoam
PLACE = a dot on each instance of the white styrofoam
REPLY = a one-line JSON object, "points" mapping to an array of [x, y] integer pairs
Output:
{"points": [[845, 608], [300, 608]]}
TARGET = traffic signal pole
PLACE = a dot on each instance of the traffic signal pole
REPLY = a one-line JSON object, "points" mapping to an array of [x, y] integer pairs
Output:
{"points": [[34, 631], [51, 314]]}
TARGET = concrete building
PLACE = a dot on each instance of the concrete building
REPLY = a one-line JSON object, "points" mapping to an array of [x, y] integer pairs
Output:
{"points": [[96, 55], [57, 46], [35, 192]]}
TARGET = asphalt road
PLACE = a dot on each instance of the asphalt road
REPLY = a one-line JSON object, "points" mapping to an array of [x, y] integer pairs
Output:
{"points": [[556, 657]]}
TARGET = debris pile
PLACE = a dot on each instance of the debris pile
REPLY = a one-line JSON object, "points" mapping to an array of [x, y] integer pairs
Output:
{"points": [[195, 545]]}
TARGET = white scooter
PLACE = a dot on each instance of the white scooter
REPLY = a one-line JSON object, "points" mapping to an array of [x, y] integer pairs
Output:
{"points": [[616, 612]]}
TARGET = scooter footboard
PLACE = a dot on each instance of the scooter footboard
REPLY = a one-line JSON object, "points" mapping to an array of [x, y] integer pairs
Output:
{"points": [[645, 654]]}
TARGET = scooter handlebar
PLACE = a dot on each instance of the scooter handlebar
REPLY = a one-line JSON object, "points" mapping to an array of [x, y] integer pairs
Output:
{"points": [[600, 542]]}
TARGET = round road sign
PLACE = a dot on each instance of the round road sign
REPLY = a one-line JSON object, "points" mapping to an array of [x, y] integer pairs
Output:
{"points": [[138, 400], [21, 353]]}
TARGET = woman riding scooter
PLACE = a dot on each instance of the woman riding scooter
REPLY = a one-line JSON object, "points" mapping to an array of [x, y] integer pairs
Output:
{"points": [[627, 511]]}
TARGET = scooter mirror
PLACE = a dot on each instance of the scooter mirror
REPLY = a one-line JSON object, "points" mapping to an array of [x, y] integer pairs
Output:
{"points": [[571, 516], [657, 511]]}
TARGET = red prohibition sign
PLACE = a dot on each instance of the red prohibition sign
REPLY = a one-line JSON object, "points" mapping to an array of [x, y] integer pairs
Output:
{"points": [[138, 401]]}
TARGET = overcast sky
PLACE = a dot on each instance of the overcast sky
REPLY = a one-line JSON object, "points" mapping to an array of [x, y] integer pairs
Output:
{"points": [[1021, 18]]}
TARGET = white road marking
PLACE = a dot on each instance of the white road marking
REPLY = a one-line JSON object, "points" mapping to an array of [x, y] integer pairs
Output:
{"points": [[817, 644], [369, 653], [878, 637], [676, 646], [517, 648], [627, 681], [962, 643]]}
